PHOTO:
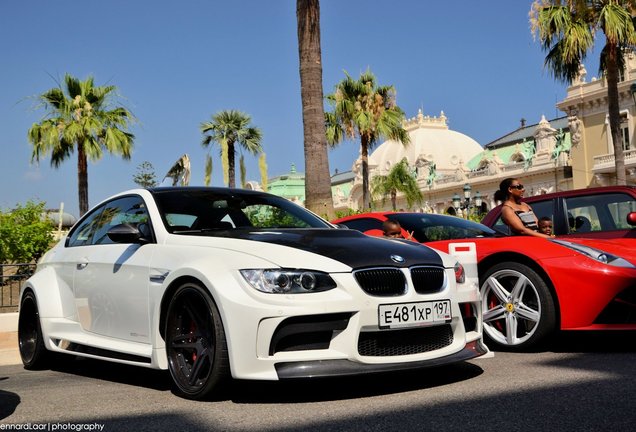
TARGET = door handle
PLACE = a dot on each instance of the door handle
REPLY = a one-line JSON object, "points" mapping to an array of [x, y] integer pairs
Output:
{"points": [[81, 265]]}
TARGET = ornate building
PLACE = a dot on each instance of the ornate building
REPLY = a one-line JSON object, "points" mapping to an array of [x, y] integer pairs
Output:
{"points": [[447, 163], [592, 148]]}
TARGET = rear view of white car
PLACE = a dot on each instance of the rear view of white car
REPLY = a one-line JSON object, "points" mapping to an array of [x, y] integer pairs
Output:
{"points": [[215, 283]]}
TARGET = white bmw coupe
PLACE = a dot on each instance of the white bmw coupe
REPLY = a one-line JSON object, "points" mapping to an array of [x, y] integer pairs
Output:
{"points": [[214, 283]]}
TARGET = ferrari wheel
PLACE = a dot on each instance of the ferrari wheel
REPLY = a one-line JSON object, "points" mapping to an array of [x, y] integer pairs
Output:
{"points": [[30, 341], [517, 307], [195, 343]]}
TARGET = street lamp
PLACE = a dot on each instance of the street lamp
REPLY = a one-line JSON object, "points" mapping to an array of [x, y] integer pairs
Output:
{"points": [[467, 204]]}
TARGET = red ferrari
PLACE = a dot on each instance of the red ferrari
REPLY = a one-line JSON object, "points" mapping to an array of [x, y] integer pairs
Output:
{"points": [[530, 286]]}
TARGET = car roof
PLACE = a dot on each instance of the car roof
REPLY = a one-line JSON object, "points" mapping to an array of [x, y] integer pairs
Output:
{"points": [[587, 191], [178, 189]]}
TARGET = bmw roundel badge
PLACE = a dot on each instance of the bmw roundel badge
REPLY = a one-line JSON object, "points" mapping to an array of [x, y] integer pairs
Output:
{"points": [[398, 259]]}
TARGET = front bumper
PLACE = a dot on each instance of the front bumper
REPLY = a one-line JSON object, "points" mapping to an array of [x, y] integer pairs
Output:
{"points": [[336, 368]]}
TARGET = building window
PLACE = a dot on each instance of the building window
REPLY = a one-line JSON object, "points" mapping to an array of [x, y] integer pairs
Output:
{"points": [[625, 132]]}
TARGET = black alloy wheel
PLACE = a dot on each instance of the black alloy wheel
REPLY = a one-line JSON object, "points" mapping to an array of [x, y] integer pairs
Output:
{"points": [[195, 343], [30, 341]]}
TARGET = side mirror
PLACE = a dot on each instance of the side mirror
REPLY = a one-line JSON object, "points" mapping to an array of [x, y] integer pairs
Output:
{"points": [[631, 218], [126, 233]]}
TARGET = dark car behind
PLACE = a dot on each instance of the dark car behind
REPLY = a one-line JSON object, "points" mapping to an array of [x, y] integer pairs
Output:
{"points": [[602, 212]]}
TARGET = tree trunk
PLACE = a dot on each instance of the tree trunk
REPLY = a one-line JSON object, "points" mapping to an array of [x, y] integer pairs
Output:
{"points": [[230, 165], [364, 156], [394, 199], [614, 113], [317, 176], [82, 180]]}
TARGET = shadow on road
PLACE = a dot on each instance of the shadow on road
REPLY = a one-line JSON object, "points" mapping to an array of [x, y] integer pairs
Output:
{"points": [[115, 372], [594, 341], [8, 403], [301, 390]]}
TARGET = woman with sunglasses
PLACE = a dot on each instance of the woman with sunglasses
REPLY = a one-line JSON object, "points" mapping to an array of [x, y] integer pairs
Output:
{"points": [[515, 213]]}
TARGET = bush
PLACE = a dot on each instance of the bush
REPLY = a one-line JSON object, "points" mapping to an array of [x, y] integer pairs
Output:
{"points": [[25, 233]]}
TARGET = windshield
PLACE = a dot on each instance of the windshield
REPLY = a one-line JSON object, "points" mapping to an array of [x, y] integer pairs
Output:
{"points": [[195, 210], [432, 227]]}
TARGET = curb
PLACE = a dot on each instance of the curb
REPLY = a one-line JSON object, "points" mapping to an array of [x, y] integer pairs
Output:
{"points": [[8, 322], [9, 354]]}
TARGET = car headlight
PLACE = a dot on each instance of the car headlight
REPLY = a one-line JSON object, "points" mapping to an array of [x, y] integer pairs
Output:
{"points": [[288, 281], [596, 254]]}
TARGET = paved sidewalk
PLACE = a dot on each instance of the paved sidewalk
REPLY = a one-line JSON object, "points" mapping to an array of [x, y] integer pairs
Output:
{"points": [[9, 354]]}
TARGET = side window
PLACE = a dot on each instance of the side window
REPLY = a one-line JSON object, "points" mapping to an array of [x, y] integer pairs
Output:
{"points": [[619, 212], [363, 225], [603, 212], [131, 209], [500, 226], [543, 209], [82, 235]]}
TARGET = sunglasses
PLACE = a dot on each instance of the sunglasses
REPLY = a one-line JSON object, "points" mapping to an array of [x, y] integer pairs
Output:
{"points": [[518, 187]]}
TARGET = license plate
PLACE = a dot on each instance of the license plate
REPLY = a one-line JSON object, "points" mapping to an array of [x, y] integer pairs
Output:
{"points": [[414, 314]]}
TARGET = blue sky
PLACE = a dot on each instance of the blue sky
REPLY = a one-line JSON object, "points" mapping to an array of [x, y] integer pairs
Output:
{"points": [[177, 63]]}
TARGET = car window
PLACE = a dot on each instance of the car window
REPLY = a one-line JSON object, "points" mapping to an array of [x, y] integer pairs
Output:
{"points": [[267, 216], [179, 221], [603, 212], [543, 209], [501, 226], [82, 234], [364, 224], [131, 209], [214, 212], [430, 227]]}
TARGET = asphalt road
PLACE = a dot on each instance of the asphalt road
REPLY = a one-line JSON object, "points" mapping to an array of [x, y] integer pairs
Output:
{"points": [[585, 382]]}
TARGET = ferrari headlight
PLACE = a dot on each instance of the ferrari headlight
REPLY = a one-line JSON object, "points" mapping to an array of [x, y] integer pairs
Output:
{"points": [[288, 281], [596, 254]]}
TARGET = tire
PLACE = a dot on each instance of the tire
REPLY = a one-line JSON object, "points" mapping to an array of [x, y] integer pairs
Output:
{"points": [[517, 307], [30, 340], [195, 343]]}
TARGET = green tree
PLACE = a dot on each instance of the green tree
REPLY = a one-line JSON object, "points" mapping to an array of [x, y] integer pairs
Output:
{"points": [[81, 116], [364, 110], [230, 128], [317, 176], [399, 179], [567, 30], [145, 176], [25, 233]]}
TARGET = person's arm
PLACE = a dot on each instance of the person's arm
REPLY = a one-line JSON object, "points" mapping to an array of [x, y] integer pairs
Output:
{"points": [[511, 219]]}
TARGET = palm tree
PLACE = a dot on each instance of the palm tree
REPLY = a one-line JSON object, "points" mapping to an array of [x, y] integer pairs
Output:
{"points": [[317, 179], [229, 128], [81, 116], [363, 109], [567, 29], [399, 179]]}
